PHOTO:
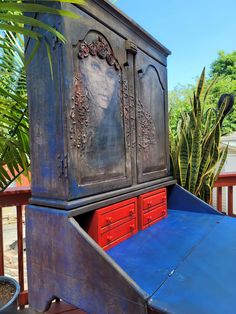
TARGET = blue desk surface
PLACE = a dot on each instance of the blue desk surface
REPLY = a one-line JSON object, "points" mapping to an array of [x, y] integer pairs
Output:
{"points": [[186, 262]]}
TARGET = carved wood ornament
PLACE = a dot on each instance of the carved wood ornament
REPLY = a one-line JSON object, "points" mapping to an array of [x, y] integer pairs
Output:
{"points": [[82, 128], [100, 48]]}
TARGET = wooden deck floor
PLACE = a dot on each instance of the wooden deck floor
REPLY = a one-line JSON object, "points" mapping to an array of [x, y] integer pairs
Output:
{"points": [[56, 308]]}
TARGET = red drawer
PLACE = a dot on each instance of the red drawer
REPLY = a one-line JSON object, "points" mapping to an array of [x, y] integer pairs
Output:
{"points": [[152, 207], [112, 224], [109, 217], [118, 234], [153, 198], [154, 215]]}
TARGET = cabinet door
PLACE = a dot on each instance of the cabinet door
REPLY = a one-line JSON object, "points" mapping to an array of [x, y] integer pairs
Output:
{"points": [[99, 117], [151, 117]]}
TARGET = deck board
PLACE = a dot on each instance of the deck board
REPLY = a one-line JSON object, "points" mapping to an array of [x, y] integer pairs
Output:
{"points": [[56, 308]]}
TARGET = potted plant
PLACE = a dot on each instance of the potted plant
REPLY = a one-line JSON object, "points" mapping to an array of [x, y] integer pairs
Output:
{"points": [[9, 291]]}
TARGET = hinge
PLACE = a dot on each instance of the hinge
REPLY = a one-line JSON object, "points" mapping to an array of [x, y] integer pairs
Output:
{"points": [[62, 166]]}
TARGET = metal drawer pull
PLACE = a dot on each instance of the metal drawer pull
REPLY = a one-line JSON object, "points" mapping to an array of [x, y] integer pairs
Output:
{"points": [[109, 238], [109, 220], [132, 227]]}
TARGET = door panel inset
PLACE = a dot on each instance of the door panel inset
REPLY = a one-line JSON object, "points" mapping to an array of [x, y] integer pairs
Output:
{"points": [[99, 119], [151, 125]]}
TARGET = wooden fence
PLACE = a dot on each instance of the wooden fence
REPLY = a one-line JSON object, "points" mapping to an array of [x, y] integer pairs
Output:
{"points": [[17, 197]]}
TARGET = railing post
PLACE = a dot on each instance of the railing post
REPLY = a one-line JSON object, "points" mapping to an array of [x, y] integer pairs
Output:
{"points": [[219, 199], [1, 245], [230, 200], [20, 247]]}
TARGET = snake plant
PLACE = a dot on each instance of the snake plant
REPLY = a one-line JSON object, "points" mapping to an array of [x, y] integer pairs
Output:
{"points": [[196, 154]]}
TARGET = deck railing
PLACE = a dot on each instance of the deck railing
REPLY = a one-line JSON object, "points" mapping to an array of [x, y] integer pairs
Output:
{"points": [[17, 197], [227, 180]]}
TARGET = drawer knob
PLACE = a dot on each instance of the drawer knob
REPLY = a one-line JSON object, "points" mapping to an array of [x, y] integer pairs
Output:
{"points": [[109, 238], [149, 218], [132, 227], [149, 204], [163, 213], [163, 198], [131, 212], [109, 220]]}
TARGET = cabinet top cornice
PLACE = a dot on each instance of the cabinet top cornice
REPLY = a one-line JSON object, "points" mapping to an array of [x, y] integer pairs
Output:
{"points": [[125, 19]]}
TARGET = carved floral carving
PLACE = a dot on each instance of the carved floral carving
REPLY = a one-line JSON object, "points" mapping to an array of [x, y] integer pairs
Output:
{"points": [[126, 110], [146, 128], [100, 48], [79, 116]]}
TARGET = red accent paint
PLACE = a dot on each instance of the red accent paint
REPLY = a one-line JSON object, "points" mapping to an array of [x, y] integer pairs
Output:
{"points": [[152, 207], [113, 224], [23, 299]]}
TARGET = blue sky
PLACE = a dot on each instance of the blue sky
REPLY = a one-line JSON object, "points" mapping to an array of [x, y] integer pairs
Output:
{"points": [[194, 31]]}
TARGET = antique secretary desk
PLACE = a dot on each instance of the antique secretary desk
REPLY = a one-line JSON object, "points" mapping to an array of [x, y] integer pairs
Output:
{"points": [[98, 232]]}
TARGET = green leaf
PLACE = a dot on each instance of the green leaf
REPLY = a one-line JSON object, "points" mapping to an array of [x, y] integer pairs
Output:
{"points": [[200, 84], [223, 157], [5, 174], [21, 30], [32, 22], [195, 158], [49, 58], [206, 154], [39, 8], [183, 158], [33, 53], [209, 88]]}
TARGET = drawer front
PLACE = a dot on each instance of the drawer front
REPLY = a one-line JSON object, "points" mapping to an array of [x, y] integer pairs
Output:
{"points": [[154, 200], [154, 215], [118, 234], [151, 199], [119, 214]]}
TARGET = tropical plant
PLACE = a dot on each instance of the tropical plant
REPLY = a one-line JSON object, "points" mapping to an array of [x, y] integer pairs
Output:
{"points": [[196, 155], [222, 78], [14, 124]]}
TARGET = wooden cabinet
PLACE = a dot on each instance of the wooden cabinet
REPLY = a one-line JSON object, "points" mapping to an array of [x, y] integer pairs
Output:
{"points": [[99, 129]]}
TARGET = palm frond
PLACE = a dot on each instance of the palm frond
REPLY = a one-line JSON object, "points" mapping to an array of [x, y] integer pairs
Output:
{"points": [[14, 122]]}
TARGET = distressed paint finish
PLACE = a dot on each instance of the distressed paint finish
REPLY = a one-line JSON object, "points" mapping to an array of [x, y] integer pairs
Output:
{"points": [[98, 125], [64, 262], [87, 151], [85, 133], [181, 199], [186, 262], [152, 131], [205, 281]]}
